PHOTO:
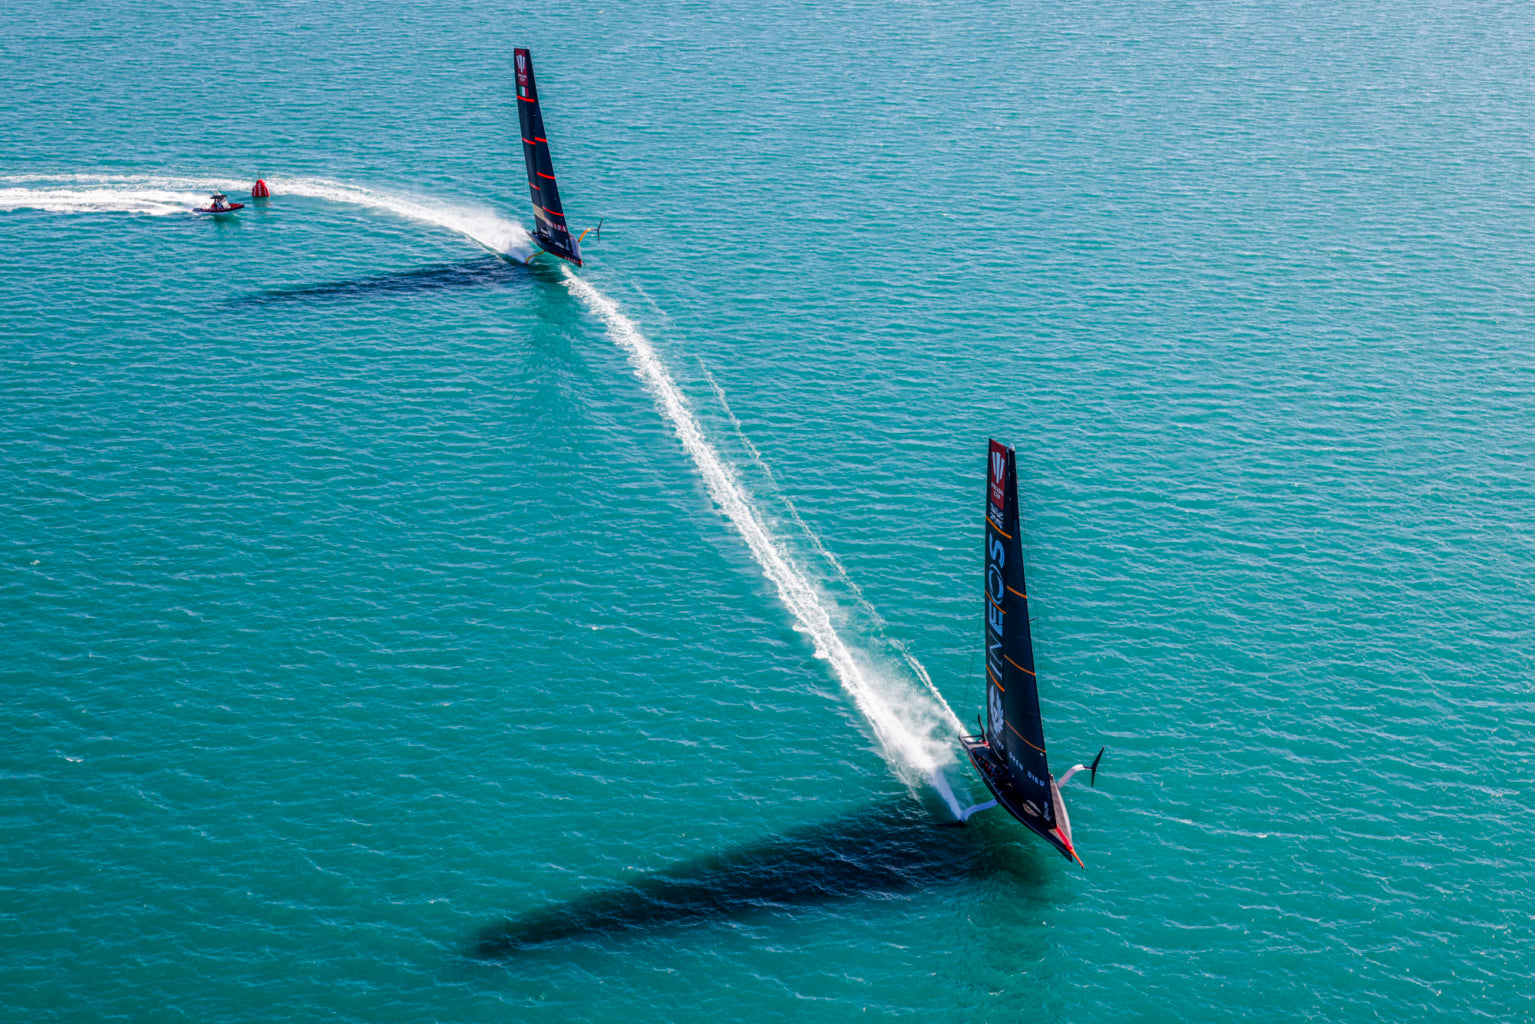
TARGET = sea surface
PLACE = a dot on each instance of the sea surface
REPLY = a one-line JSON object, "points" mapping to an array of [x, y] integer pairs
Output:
{"points": [[391, 631]]}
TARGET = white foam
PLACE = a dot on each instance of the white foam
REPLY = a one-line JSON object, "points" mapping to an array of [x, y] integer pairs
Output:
{"points": [[162, 195], [832, 560], [908, 723], [809, 534], [477, 224], [157, 202]]}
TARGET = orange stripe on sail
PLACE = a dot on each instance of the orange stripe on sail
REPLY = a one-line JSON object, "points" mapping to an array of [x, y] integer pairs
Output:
{"points": [[1024, 738], [1019, 667]]}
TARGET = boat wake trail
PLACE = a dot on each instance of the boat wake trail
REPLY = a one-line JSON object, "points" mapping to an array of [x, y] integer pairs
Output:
{"points": [[832, 560], [909, 723], [167, 195], [101, 198], [483, 226]]}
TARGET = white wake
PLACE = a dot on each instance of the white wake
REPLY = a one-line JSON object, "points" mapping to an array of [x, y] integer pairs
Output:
{"points": [[831, 559], [909, 724], [166, 195], [124, 198]]}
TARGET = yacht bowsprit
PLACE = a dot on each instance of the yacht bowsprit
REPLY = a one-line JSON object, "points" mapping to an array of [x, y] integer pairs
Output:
{"points": [[1010, 751], [549, 229]]}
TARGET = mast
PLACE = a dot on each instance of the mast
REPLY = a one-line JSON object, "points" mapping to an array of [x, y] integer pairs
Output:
{"points": [[549, 230], [1013, 724]]}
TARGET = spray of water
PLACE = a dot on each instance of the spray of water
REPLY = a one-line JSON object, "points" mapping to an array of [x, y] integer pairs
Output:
{"points": [[912, 726]]}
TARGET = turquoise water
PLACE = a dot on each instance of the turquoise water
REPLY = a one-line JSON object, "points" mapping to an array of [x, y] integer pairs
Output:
{"points": [[374, 605]]}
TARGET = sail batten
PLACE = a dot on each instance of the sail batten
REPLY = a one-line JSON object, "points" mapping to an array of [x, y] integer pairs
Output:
{"points": [[550, 230]]}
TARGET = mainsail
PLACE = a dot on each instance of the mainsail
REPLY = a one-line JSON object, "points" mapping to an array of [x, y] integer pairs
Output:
{"points": [[549, 231], [1010, 752], [1013, 724]]}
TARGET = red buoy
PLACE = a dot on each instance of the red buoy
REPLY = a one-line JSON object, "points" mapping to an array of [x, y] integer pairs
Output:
{"points": [[260, 191]]}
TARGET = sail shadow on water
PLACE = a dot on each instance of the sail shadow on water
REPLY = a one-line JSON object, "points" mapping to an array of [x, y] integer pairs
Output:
{"points": [[886, 850], [480, 272]]}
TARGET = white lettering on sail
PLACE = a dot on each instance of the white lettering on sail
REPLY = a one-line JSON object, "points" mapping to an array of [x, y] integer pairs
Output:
{"points": [[1022, 769]]}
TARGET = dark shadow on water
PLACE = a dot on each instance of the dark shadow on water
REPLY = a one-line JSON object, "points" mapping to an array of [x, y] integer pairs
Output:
{"points": [[479, 272], [885, 850]]}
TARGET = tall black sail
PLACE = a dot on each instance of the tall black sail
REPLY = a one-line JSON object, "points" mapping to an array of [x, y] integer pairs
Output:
{"points": [[549, 229], [1012, 696]]}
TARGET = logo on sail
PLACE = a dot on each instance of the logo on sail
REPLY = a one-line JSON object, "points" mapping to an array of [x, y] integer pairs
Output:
{"points": [[998, 480], [994, 715]]}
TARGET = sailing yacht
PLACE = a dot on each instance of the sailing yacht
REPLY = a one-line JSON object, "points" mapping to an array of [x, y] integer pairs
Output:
{"points": [[549, 229], [1010, 751]]}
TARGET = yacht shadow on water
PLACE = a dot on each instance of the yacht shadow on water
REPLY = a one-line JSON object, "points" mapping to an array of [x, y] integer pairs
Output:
{"points": [[886, 850], [479, 272]]}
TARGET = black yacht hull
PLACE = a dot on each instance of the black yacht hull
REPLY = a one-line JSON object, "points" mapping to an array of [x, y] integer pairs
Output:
{"points": [[996, 777]]}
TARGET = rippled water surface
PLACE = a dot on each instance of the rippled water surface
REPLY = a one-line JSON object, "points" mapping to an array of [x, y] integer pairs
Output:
{"points": [[395, 632]]}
